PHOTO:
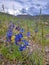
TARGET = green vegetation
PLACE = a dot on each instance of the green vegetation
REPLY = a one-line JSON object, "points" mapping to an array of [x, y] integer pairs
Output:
{"points": [[29, 23]]}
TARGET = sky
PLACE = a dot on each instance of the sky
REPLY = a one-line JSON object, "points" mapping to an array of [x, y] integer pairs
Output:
{"points": [[32, 7]]}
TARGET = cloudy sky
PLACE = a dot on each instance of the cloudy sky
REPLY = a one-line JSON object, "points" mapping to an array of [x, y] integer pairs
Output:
{"points": [[31, 7]]}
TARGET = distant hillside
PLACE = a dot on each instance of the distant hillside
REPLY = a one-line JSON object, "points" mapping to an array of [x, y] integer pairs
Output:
{"points": [[29, 17], [43, 17]]}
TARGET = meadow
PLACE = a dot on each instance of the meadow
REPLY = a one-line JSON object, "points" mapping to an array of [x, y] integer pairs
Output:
{"points": [[37, 53]]}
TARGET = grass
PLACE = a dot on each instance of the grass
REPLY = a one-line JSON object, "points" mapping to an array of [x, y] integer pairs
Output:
{"points": [[11, 52]]}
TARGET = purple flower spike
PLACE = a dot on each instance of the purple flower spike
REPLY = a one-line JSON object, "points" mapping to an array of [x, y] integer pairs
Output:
{"points": [[18, 28], [9, 35], [28, 34], [22, 30]]}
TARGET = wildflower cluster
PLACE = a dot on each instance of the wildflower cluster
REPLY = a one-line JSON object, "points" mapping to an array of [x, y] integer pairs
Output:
{"points": [[17, 38]]}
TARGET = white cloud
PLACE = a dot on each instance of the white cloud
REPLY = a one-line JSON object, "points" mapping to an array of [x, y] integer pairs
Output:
{"points": [[14, 6], [11, 4]]}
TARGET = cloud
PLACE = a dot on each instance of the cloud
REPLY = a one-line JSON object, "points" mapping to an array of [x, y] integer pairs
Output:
{"points": [[32, 7]]}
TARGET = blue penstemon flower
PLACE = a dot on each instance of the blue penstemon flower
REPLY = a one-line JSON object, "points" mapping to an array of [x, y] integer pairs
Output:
{"points": [[18, 38], [21, 30], [22, 47], [25, 42], [9, 35], [28, 34]]}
